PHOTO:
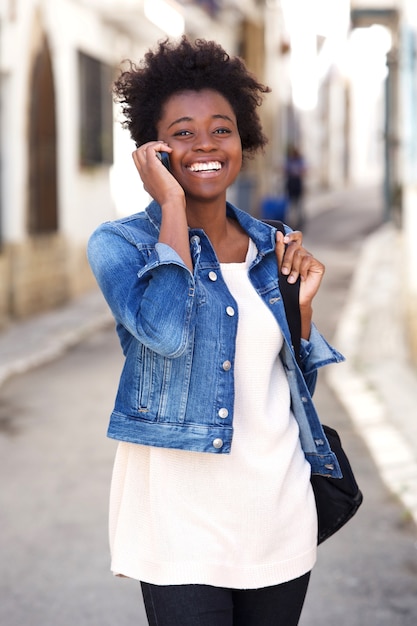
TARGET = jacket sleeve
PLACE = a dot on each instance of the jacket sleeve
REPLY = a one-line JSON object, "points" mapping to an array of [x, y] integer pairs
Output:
{"points": [[148, 288], [316, 353]]}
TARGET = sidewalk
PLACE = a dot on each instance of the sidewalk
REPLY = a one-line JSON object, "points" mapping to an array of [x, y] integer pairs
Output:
{"points": [[377, 384], [38, 340]]}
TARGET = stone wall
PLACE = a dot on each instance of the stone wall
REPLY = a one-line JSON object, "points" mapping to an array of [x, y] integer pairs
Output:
{"points": [[40, 274]]}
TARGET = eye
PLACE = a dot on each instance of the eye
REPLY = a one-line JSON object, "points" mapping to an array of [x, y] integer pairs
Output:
{"points": [[182, 133], [223, 131]]}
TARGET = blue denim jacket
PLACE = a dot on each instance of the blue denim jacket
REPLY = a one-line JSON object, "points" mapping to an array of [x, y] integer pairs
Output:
{"points": [[178, 329]]}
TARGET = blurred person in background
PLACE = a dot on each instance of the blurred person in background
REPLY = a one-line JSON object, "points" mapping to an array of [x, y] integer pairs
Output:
{"points": [[294, 170]]}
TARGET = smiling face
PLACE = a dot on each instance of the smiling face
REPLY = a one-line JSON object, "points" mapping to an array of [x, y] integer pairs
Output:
{"points": [[201, 129]]}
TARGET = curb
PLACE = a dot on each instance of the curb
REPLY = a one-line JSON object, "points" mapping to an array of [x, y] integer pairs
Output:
{"points": [[43, 338]]}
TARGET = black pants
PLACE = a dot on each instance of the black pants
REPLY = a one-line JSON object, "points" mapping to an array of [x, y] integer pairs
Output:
{"points": [[203, 605]]}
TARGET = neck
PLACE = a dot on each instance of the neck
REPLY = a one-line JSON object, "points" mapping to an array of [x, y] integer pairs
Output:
{"points": [[227, 237], [211, 218]]}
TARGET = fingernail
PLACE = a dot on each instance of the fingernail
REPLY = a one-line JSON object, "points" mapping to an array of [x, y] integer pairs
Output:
{"points": [[285, 270]]}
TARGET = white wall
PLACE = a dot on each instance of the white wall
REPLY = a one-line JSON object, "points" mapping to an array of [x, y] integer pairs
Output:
{"points": [[16, 42], [85, 197], [376, 4], [110, 30], [409, 173]]}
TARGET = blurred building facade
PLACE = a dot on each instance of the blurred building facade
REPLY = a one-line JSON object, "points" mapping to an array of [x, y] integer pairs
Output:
{"points": [[353, 76], [399, 18], [65, 163], [342, 91]]}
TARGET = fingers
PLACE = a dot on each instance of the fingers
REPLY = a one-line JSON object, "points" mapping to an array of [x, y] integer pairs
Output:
{"points": [[295, 236], [146, 155], [291, 255], [293, 259], [280, 250], [311, 277], [160, 183]]}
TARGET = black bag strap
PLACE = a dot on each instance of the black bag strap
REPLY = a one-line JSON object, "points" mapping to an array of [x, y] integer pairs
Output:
{"points": [[290, 294]]}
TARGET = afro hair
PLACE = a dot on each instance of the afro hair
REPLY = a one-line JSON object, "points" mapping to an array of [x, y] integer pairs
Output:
{"points": [[143, 89]]}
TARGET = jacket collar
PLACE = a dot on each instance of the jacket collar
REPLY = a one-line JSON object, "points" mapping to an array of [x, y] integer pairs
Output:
{"points": [[262, 234]]}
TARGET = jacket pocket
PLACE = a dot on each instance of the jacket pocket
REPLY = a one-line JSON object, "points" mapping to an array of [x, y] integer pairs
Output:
{"points": [[145, 378]]}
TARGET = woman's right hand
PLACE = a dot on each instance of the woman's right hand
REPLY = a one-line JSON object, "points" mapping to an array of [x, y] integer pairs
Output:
{"points": [[157, 180]]}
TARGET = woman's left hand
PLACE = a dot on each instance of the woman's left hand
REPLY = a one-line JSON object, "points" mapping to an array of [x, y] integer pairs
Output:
{"points": [[294, 260]]}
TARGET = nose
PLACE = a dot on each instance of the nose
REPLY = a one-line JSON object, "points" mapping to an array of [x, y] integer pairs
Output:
{"points": [[204, 142]]}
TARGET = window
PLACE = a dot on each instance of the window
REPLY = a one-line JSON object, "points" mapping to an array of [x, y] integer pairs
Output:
{"points": [[96, 111]]}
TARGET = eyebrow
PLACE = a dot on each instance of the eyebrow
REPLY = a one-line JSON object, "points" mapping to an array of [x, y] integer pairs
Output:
{"points": [[217, 116]]}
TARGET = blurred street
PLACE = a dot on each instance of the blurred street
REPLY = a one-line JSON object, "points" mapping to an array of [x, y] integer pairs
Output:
{"points": [[56, 464]]}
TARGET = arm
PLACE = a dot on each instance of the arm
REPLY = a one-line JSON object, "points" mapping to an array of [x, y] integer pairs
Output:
{"points": [[164, 188], [147, 287]]}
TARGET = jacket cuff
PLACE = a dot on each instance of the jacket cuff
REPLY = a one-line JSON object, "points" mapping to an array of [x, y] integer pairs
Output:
{"points": [[317, 352], [162, 255]]}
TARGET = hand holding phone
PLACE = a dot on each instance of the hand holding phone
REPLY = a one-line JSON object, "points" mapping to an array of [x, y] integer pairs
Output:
{"points": [[164, 158]]}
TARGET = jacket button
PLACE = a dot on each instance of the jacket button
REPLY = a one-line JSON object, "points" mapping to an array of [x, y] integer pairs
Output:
{"points": [[230, 311], [212, 276], [195, 239], [223, 413], [226, 366], [218, 443]]}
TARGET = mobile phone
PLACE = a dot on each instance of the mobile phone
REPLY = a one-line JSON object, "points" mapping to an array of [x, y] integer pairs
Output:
{"points": [[164, 158]]}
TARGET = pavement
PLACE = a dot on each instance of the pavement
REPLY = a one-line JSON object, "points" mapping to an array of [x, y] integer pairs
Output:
{"points": [[377, 384]]}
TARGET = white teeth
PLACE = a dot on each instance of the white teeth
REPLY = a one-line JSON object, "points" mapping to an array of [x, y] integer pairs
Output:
{"points": [[205, 167]]}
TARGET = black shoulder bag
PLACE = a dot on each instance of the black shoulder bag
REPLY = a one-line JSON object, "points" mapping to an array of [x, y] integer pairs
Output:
{"points": [[337, 499]]}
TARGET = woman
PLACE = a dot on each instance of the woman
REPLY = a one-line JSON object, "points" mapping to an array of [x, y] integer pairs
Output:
{"points": [[211, 503]]}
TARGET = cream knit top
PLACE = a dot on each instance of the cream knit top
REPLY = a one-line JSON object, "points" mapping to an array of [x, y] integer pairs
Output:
{"points": [[243, 520]]}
